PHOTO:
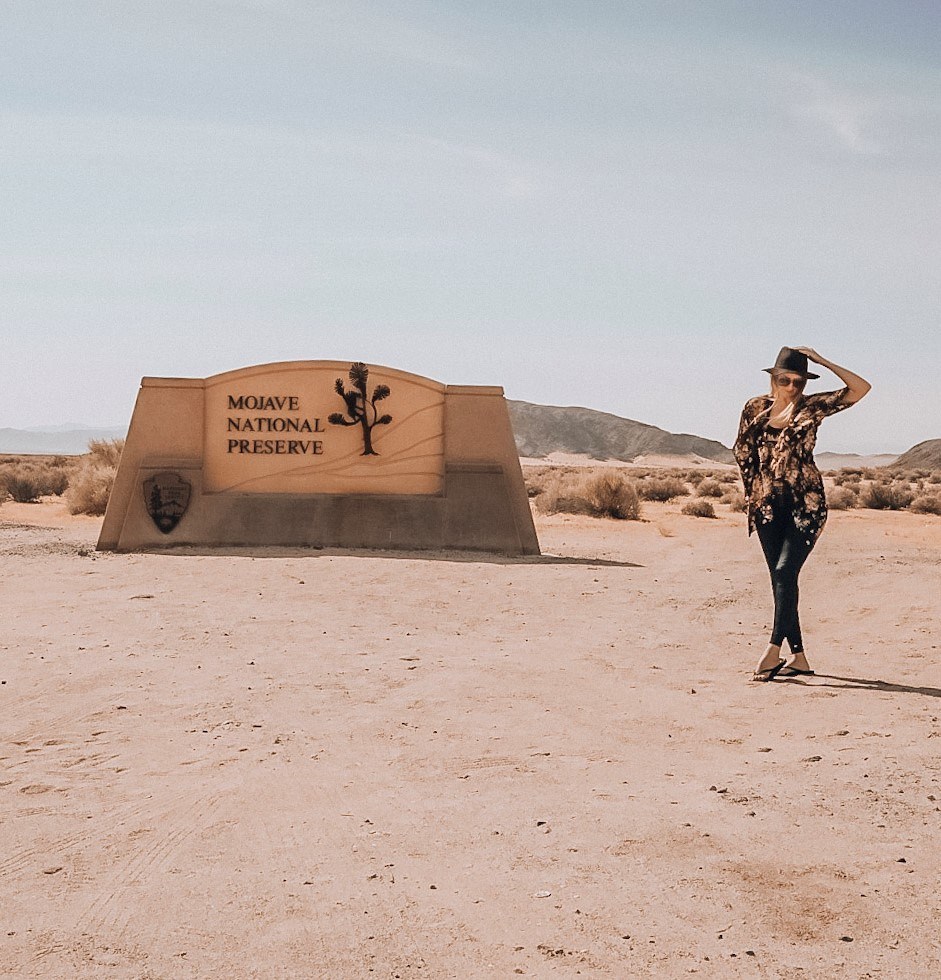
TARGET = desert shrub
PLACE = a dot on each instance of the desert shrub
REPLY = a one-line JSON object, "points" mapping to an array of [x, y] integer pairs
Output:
{"points": [[729, 476], [22, 487], [698, 508], [18, 478], [91, 483], [537, 478], [884, 496], [90, 489], [935, 478], [54, 480], [662, 488], [903, 487], [735, 499], [546, 483], [926, 504], [709, 488], [558, 500], [560, 492], [611, 495], [694, 477], [26, 482], [106, 452], [842, 498], [842, 477]]}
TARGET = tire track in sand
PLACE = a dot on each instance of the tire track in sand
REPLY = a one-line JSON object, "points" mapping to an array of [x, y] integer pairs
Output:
{"points": [[110, 912]]}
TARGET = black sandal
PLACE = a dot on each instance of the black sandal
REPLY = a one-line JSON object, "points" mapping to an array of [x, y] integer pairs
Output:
{"points": [[768, 673]]}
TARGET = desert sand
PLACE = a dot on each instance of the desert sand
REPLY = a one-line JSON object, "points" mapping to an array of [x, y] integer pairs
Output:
{"points": [[334, 765]]}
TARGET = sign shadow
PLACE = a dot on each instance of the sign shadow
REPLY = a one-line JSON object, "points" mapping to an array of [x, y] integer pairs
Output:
{"points": [[466, 557]]}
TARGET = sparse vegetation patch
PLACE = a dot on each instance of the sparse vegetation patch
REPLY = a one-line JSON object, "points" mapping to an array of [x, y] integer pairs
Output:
{"points": [[710, 488], [885, 496], [699, 507], [611, 495], [91, 483], [842, 498], [662, 488], [591, 492], [26, 480], [564, 489], [927, 504]]}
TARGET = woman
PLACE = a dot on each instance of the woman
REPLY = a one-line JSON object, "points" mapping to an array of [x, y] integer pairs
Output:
{"points": [[784, 489]]}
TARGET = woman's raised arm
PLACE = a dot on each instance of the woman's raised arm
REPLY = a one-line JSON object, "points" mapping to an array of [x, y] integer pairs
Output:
{"points": [[858, 387]]}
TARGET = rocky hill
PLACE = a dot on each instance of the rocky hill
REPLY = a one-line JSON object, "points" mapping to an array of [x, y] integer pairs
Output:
{"points": [[925, 456], [544, 429]]}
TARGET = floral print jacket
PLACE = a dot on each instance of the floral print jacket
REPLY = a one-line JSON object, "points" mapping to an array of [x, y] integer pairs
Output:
{"points": [[769, 459]]}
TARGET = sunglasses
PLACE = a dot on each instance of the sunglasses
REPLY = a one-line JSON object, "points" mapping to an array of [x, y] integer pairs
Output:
{"points": [[790, 382]]}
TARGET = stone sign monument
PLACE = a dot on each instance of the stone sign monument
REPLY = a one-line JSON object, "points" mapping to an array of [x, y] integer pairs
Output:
{"points": [[319, 454]]}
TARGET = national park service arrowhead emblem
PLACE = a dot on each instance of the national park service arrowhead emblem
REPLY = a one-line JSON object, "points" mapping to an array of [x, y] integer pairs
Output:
{"points": [[166, 496]]}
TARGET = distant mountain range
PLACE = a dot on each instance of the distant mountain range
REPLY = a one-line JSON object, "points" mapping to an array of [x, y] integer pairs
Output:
{"points": [[544, 429], [65, 440]]}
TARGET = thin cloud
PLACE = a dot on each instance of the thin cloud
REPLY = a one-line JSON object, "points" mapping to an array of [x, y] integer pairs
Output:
{"points": [[848, 119]]}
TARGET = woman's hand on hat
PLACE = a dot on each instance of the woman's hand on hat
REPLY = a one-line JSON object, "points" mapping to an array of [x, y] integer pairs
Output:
{"points": [[810, 354]]}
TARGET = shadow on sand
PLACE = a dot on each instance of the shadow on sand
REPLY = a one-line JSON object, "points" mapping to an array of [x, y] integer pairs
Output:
{"points": [[867, 684], [466, 557]]}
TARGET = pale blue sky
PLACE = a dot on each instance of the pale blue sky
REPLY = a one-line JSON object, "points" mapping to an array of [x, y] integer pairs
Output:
{"points": [[624, 205]]}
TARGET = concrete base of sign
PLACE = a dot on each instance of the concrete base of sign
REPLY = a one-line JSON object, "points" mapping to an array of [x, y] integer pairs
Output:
{"points": [[473, 513], [478, 503]]}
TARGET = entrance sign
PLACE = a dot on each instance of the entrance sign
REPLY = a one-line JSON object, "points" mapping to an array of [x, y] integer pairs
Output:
{"points": [[319, 454], [277, 429]]}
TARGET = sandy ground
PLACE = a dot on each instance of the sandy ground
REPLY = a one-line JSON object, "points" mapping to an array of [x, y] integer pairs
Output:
{"points": [[325, 765]]}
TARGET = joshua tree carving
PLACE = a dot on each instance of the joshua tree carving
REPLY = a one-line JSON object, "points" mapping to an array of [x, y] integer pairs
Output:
{"points": [[360, 409]]}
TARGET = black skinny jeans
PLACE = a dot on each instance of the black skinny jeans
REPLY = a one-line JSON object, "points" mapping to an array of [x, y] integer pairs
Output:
{"points": [[786, 550]]}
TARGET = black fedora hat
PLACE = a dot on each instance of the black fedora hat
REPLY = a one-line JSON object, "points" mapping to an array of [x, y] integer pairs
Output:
{"points": [[793, 361]]}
